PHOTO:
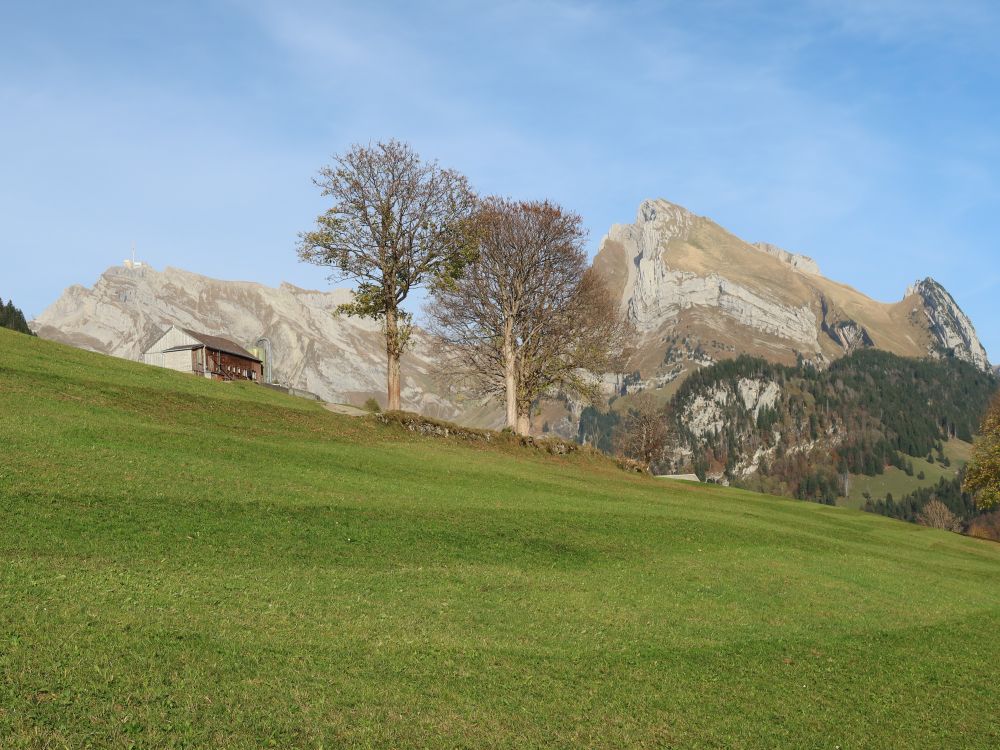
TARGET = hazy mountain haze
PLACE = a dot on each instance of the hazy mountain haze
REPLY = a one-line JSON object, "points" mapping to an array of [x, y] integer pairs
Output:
{"points": [[860, 134]]}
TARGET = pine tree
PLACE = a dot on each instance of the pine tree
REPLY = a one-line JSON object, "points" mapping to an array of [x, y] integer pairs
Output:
{"points": [[12, 318]]}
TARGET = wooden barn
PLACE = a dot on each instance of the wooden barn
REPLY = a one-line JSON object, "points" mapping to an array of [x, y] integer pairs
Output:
{"points": [[213, 357]]}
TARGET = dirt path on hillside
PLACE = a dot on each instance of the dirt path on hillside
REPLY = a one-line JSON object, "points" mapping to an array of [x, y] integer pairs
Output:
{"points": [[351, 411]]}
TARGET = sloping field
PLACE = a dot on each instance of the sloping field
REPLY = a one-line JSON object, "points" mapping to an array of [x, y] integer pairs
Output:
{"points": [[193, 564], [896, 481]]}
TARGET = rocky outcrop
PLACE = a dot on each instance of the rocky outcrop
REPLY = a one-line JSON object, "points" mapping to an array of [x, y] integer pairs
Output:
{"points": [[951, 329], [707, 414], [709, 411], [846, 333], [758, 394], [802, 263], [849, 335], [341, 359], [658, 293]]}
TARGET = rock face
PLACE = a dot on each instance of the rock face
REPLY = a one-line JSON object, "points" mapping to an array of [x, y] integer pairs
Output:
{"points": [[339, 358], [801, 263], [952, 331], [697, 294]]}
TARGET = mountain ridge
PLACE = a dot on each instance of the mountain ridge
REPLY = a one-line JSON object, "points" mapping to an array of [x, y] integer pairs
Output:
{"points": [[340, 358], [698, 294]]}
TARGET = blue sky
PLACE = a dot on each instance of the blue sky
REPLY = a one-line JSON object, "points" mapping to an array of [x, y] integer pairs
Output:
{"points": [[863, 133]]}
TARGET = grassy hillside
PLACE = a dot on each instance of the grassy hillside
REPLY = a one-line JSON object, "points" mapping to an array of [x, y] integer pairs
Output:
{"points": [[898, 483], [194, 564]]}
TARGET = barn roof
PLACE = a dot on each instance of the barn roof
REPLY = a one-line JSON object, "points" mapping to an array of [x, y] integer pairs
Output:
{"points": [[220, 344]]}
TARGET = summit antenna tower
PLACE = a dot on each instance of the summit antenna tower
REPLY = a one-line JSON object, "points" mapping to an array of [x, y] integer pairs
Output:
{"points": [[132, 262]]}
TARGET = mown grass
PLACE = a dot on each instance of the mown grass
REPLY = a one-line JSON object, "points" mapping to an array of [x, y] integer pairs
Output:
{"points": [[194, 564]]}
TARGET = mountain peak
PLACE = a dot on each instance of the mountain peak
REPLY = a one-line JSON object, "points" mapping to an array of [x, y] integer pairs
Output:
{"points": [[666, 219], [652, 209], [698, 293], [926, 285], [950, 327]]}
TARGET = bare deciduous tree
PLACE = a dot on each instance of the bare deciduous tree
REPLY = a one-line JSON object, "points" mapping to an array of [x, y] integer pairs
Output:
{"points": [[571, 337], [396, 222], [643, 433], [527, 318], [936, 515]]}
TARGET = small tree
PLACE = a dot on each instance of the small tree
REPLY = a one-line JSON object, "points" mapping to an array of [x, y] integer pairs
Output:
{"points": [[643, 433], [526, 318], [936, 515], [396, 223], [982, 476]]}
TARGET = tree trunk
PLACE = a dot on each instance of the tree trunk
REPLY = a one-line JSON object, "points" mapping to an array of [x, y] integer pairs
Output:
{"points": [[392, 357], [510, 375], [523, 424]]}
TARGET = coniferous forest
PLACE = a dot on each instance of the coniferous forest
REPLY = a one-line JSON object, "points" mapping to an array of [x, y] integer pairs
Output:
{"points": [[12, 318], [863, 413]]}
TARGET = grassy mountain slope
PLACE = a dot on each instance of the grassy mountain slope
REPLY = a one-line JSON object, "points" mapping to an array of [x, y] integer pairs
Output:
{"points": [[712, 248], [898, 483], [187, 563]]}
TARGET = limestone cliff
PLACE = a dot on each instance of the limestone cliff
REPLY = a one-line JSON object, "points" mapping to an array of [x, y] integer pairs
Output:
{"points": [[952, 331]]}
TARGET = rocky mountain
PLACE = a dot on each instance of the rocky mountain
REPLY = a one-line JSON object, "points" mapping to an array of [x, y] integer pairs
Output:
{"points": [[339, 358], [698, 294], [950, 328]]}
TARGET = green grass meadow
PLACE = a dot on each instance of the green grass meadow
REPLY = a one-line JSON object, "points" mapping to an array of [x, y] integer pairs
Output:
{"points": [[899, 484], [194, 564]]}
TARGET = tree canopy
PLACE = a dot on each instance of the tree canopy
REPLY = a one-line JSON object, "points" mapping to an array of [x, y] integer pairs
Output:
{"points": [[982, 477], [396, 222], [526, 318]]}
